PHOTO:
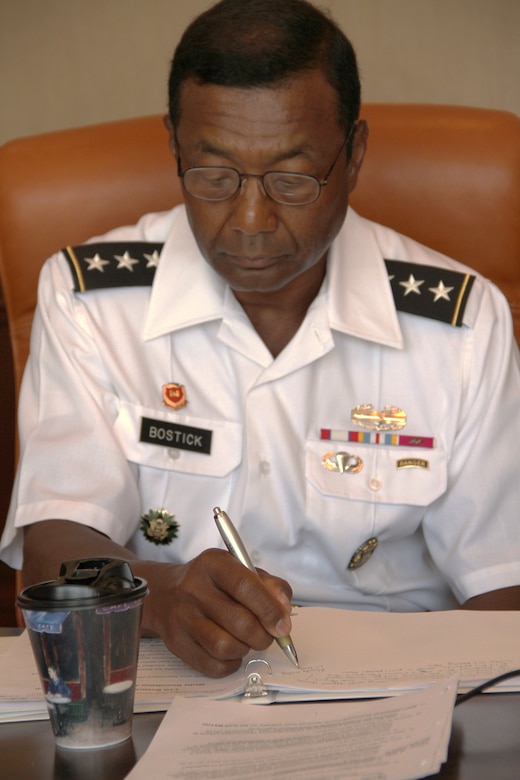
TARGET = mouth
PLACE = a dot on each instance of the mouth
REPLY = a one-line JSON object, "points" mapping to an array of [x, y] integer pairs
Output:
{"points": [[254, 262]]}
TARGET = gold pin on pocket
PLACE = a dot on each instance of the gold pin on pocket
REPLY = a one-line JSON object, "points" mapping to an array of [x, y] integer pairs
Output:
{"points": [[344, 462]]}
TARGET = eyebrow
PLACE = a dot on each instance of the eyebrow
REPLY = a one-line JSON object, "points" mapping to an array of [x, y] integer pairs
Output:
{"points": [[297, 151]]}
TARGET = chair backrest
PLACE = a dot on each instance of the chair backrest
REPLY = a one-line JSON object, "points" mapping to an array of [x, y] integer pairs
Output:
{"points": [[447, 176]]}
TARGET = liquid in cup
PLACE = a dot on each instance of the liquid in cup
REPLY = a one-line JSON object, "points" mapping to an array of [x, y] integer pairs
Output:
{"points": [[84, 629]]}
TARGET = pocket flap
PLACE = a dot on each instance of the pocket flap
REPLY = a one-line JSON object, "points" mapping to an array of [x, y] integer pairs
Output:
{"points": [[388, 475], [178, 442]]}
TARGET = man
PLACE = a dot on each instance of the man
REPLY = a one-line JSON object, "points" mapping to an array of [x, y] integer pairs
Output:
{"points": [[367, 455]]}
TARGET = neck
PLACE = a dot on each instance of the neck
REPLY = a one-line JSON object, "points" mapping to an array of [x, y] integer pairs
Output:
{"points": [[277, 315]]}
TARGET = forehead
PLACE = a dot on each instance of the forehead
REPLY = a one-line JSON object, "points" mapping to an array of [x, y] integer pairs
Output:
{"points": [[301, 113]]}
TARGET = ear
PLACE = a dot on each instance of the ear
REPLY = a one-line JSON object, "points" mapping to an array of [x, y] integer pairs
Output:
{"points": [[359, 146], [171, 135]]}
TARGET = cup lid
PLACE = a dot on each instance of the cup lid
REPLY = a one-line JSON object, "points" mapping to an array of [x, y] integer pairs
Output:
{"points": [[85, 582]]}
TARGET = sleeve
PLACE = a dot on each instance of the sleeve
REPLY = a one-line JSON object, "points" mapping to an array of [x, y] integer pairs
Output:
{"points": [[473, 530], [71, 466]]}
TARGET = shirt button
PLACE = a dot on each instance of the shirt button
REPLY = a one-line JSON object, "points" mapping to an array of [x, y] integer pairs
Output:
{"points": [[375, 483], [265, 467], [255, 557], [174, 454]]}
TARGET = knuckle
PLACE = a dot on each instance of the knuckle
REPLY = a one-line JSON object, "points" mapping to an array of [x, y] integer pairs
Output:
{"points": [[216, 668]]}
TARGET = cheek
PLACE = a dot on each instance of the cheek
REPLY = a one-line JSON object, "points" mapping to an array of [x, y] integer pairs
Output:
{"points": [[323, 227], [313, 228], [305, 232], [206, 224]]}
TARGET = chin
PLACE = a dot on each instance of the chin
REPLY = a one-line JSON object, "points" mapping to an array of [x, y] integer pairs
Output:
{"points": [[258, 286]]}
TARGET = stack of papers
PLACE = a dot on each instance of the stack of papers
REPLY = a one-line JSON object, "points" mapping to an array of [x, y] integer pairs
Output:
{"points": [[403, 738], [343, 655]]}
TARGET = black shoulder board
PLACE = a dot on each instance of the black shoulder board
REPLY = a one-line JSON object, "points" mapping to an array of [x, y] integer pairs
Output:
{"points": [[113, 264], [430, 291]]}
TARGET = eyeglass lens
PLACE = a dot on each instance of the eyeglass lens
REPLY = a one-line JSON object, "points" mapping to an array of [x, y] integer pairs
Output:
{"points": [[210, 183]]}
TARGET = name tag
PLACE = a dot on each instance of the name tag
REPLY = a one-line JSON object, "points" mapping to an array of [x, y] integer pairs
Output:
{"points": [[180, 437]]}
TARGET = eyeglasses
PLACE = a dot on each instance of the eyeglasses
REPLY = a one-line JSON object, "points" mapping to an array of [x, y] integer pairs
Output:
{"points": [[215, 183]]}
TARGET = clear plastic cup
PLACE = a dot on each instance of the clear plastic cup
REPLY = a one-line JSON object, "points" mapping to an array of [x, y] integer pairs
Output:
{"points": [[84, 629]]}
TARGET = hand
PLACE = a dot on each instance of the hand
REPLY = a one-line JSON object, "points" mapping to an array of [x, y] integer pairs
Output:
{"points": [[212, 611]]}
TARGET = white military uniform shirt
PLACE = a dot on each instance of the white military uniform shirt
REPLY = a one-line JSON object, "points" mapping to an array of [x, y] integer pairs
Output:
{"points": [[444, 517]]}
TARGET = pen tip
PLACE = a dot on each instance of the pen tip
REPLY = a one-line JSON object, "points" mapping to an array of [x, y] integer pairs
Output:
{"points": [[291, 654]]}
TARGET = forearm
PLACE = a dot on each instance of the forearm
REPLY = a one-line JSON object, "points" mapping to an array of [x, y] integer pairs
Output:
{"points": [[505, 598], [209, 611], [47, 544]]}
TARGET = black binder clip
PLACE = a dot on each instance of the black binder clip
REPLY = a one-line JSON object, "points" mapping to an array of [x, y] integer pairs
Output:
{"points": [[255, 686]]}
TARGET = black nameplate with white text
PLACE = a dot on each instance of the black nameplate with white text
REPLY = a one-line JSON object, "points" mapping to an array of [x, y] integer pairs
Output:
{"points": [[180, 437]]}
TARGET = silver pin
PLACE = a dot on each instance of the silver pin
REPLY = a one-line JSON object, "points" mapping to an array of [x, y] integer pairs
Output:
{"points": [[389, 418], [344, 462]]}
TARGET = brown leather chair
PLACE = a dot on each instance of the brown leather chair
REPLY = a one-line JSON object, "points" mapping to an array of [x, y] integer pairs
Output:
{"points": [[447, 176]]}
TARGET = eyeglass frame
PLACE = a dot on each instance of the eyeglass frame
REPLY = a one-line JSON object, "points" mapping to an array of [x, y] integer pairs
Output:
{"points": [[243, 176]]}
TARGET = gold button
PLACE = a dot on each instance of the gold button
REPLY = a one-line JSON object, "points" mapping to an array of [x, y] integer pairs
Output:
{"points": [[363, 553]]}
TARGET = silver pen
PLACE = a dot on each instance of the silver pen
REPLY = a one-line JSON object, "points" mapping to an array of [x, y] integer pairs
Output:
{"points": [[236, 547]]}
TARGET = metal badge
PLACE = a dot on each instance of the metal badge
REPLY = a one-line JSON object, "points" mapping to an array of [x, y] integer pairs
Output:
{"points": [[344, 462], [363, 553], [174, 395], [389, 418], [413, 463], [159, 526]]}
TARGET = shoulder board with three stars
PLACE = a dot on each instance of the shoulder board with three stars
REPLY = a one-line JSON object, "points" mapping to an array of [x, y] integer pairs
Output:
{"points": [[430, 291], [113, 264]]}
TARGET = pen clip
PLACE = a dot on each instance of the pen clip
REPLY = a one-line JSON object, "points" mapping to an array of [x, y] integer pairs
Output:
{"points": [[232, 538]]}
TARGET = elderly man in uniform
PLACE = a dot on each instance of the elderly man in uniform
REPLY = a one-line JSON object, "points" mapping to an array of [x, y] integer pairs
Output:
{"points": [[350, 397]]}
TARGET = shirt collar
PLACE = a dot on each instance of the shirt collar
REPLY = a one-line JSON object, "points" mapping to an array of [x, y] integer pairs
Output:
{"points": [[360, 300], [358, 293], [181, 272]]}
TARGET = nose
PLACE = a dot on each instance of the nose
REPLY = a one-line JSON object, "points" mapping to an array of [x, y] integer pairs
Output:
{"points": [[253, 210]]}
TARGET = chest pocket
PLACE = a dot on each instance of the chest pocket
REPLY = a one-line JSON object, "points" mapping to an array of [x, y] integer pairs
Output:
{"points": [[222, 438], [385, 475]]}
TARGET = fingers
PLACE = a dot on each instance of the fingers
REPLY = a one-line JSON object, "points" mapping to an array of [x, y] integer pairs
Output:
{"points": [[262, 603], [216, 610], [218, 656], [282, 591]]}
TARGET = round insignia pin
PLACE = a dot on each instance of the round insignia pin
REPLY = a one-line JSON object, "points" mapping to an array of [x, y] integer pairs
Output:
{"points": [[159, 527], [363, 553]]}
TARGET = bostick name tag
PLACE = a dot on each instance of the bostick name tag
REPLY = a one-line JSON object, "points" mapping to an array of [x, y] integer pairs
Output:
{"points": [[180, 437]]}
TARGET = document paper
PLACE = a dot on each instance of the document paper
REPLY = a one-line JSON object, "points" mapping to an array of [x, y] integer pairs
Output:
{"points": [[403, 738], [343, 654]]}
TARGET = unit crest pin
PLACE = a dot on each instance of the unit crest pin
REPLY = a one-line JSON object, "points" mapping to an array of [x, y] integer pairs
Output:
{"points": [[174, 395]]}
